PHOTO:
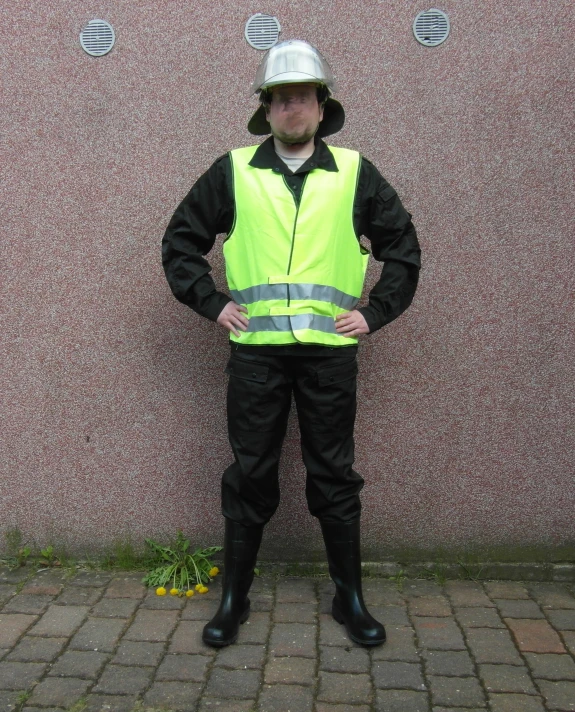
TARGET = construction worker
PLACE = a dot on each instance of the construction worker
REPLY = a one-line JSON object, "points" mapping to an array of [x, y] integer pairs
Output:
{"points": [[293, 209]]}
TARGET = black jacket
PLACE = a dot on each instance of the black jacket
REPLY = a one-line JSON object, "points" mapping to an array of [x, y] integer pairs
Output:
{"points": [[208, 210]]}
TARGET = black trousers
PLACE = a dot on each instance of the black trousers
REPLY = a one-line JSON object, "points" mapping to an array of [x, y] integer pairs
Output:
{"points": [[259, 398]]}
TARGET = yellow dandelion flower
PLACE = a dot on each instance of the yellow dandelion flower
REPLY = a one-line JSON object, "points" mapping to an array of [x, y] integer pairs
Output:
{"points": [[174, 592], [160, 591], [199, 586], [204, 589], [214, 572], [189, 593]]}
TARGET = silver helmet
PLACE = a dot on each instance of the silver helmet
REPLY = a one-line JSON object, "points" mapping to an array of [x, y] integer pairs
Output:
{"points": [[293, 62], [296, 62]]}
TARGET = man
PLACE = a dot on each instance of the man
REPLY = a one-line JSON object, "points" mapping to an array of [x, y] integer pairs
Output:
{"points": [[293, 210]]}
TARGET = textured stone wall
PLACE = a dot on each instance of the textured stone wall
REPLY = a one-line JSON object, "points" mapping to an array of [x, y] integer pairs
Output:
{"points": [[112, 409]]}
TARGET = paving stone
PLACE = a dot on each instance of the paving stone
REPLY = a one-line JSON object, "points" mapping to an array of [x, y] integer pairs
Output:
{"points": [[174, 696], [152, 626], [448, 663], [515, 703], [42, 650], [401, 701], [295, 613], [518, 609], [92, 578], [285, 698], [50, 577], [293, 639], [200, 609], [163, 603], [130, 653], [110, 703], [378, 592], [331, 632], [290, 671], [389, 615], [58, 691], [327, 707], [400, 645], [33, 589], [506, 589], [123, 680], [125, 587], [344, 688], [262, 603], [551, 667], [506, 678], [13, 576], [569, 638], [33, 605], [397, 675], [535, 636], [100, 634], [20, 676], [82, 596], [552, 595], [562, 620], [9, 701], [479, 618], [114, 608], [183, 667], [422, 587], [60, 621], [12, 626], [488, 645], [558, 695], [429, 606], [438, 634], [215, 705], [456, 691], [295, 591], [457, 709], [81, 664], [336, 659], [467, 594], [241, 657], [243, 684], [187, 638], [256, 629], [7, 590]]}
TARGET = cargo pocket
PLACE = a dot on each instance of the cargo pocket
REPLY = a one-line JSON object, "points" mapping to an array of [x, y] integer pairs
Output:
{"points": [[249, 401]]}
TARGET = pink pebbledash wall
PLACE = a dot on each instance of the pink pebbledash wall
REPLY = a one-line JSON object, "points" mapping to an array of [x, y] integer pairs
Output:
{"points": [[112, 411]]}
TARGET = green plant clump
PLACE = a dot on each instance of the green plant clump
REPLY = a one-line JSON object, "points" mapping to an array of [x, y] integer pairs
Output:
{"points": [[177, 565]]}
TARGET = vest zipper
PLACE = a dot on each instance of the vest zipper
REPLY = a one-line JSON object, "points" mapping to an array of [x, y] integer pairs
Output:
{"points": [[297, 204]]}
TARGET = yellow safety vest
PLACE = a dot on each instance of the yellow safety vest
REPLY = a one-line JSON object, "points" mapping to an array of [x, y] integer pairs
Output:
{"points": [[294, 267]]}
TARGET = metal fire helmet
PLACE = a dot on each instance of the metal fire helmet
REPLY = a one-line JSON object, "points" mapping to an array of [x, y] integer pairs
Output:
{"points": [[293, 62], [296, 62]]}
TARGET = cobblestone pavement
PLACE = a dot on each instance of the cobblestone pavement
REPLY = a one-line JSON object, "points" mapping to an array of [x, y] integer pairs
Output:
{"points": [[101, 641]]}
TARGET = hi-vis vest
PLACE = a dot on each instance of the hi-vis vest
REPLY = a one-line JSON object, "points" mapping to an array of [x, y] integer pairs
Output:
{"points": [[294, 268]]}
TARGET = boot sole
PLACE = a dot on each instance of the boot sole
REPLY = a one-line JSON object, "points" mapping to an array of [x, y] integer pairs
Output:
{"points": [[338, 617]]}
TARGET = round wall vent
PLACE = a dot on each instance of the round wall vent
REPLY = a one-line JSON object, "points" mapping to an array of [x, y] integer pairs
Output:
{"points": [[431, 27], [97, 38], [262, 31]]}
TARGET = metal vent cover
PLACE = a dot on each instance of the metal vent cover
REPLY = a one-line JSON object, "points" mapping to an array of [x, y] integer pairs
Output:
{"points": [[431, 27], [97, 38], [262, 31]]}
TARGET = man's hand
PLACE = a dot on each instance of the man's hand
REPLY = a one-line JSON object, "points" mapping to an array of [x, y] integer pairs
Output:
{"points": [[232, 318], [351, 323]]}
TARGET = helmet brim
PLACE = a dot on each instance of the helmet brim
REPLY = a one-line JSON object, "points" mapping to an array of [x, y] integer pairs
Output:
{"points": [[332, 122]]}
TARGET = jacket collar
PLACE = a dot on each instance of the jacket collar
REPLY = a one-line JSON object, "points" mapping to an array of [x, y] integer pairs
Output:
{"points": [[266, 157]]}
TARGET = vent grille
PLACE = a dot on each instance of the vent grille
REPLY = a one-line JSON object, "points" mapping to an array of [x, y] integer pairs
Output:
{"points": [[431, 27], [262, 31], [97, 38]]}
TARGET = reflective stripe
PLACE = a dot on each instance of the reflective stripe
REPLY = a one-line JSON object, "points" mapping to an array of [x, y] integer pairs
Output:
{"points": [[315, 292], [292, 323]]}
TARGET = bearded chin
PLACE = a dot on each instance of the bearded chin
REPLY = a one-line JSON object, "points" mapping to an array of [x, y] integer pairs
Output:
{"points": [[296, 140]]}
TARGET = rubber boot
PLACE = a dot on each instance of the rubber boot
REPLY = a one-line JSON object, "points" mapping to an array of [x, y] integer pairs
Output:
{"points": [[241, 545], [344, 560]]}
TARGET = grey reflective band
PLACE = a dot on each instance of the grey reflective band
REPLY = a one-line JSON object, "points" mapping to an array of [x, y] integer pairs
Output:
{"points": [[317, 292], [292, 323]]}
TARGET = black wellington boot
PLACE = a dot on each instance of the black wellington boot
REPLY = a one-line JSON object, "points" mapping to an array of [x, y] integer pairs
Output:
{"points": [[348, 607], [241, 546]]}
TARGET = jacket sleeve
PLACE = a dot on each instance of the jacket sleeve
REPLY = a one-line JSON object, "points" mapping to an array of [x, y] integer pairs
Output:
{"points": [[206, 211], [381, 217]]}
